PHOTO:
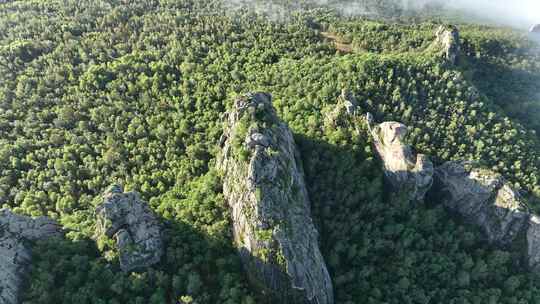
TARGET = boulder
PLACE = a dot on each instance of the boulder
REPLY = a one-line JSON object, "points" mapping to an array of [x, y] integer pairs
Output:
{"points": [[408, 174], [129, 219], [265, 189], [15, 252], [447, 43], [484, 199]]}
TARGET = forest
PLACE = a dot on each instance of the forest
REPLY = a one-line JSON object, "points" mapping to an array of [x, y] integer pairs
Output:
{"points": [[96, 92]]}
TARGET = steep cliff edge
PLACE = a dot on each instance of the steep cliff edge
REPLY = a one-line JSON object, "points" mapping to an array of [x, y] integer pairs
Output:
{"points": [[15, 252], [264, 186]]}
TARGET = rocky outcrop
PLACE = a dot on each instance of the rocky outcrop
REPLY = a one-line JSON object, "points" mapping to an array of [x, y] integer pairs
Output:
{"points": [[340, 114], [483, 198], [349, 101], [480, 196], [409, 174], [533, 243], [264, 186], [135, 227], [447, 43], [15, 252]]}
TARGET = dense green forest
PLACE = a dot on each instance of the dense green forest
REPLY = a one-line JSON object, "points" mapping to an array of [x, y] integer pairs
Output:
{"points": [[133, 92]]}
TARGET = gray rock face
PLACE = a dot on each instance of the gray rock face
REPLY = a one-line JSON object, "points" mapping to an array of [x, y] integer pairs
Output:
{"points": [[533, 243], [407, 172], [265, 188], [447, 41], [135, 227], [535, 29], [484, 199], [15, 252]]}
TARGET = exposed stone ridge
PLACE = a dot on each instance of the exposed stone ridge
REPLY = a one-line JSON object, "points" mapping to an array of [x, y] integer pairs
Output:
{"points": [[483, 198], [448, 43], [480, 196], [136, 228], [407, 173], [15, 252], [264, 186]]}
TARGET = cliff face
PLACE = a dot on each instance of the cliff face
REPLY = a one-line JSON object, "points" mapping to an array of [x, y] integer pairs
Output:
{"points": [[265, 188], [15, 253], [409, 174], [483, 198], [480, 196], [136, 228]]}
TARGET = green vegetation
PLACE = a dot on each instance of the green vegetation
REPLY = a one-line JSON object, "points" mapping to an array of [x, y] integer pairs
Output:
{"points": [[132, 92]]}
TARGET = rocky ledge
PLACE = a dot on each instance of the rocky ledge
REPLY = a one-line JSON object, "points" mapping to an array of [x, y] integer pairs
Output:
{"points": [[265, 189], [129, 219], [15, 252]]}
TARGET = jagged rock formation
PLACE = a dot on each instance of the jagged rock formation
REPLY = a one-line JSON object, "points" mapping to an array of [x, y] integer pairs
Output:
{"points": [[447, 42], [480, 196], [340, 114], [407, 173], [265, 188], [486, 200], [15, 252], [135, 227], [483, 198]]}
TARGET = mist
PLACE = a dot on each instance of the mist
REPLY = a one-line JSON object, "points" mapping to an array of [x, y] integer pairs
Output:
{"points": [[520, 14]]}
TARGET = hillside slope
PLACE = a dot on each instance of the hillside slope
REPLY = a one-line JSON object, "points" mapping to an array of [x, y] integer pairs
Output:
{"points": [[100, 92]]}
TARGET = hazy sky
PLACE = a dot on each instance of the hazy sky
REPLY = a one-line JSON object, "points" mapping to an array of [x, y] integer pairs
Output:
{"points": [[522, 13]]}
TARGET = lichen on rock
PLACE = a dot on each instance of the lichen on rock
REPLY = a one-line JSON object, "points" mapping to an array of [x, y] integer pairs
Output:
{"points": [[409, 174], [264, 186], [127, 218], [15, 251]]}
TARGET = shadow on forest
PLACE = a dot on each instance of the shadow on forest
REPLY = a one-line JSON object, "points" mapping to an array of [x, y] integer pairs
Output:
{"points": [[62, 266], [339, 179]]}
